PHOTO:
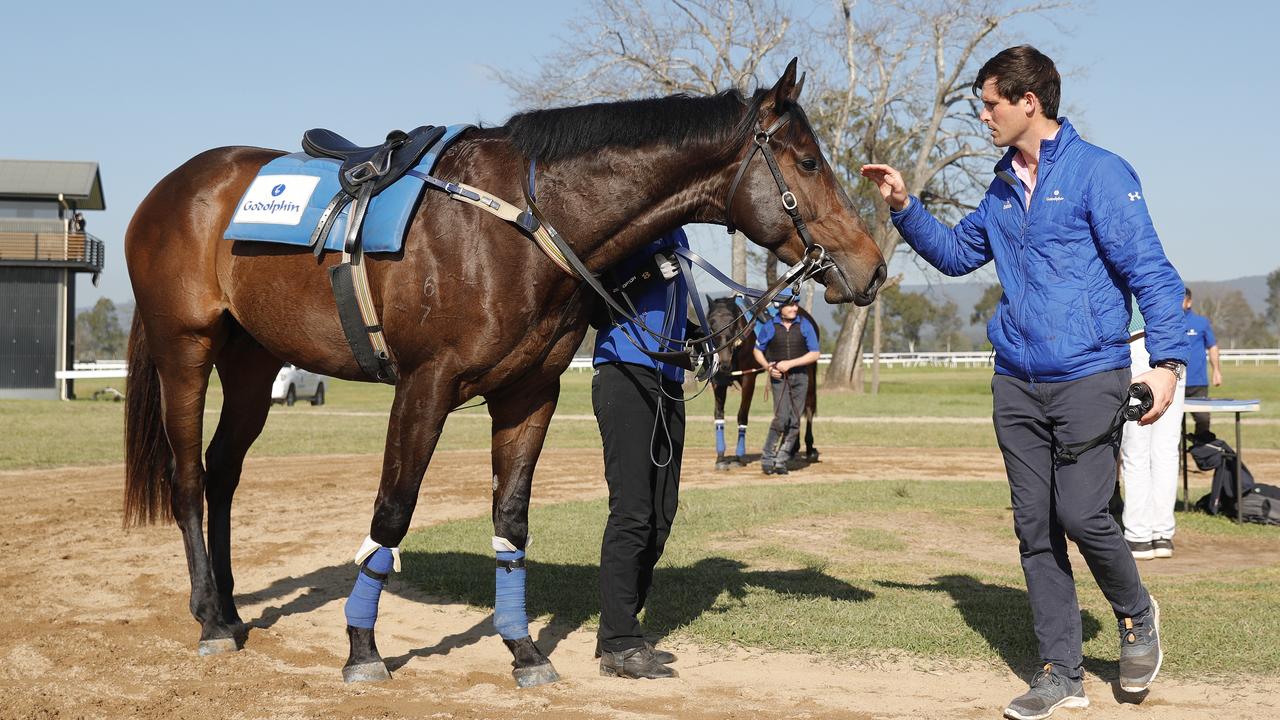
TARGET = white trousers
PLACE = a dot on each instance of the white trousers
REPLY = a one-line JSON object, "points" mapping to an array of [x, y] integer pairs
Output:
{"points": [[1149, 464]]}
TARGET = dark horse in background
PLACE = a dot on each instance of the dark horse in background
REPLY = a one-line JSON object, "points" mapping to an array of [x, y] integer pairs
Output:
{"points": [[737, 365], [470, 307]]}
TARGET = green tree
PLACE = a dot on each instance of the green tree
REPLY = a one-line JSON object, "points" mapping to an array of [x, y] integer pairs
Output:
{"points": [[98, 333], [905, 315], [1235, 324], [947, 328], [986, 305], [1273, 299]]}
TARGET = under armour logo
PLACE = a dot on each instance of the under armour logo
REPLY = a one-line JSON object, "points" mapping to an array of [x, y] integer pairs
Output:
{"points": [[1135, 197]]}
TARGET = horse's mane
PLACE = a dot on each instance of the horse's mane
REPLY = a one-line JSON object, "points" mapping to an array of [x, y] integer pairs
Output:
{"points": [[678, 120]]}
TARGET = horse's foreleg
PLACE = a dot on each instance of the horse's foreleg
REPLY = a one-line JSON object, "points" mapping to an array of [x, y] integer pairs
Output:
{"points": [[246, 371], [418, 412], [721, 391], [744, 415], [520, 422]]}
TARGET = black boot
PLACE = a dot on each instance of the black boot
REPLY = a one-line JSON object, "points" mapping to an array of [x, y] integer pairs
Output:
{"points": [[661, 656], [634, 663]]}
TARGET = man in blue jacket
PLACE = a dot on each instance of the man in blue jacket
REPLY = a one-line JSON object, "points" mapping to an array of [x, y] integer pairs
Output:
{"points": [[1066, 223], [639, 406]]}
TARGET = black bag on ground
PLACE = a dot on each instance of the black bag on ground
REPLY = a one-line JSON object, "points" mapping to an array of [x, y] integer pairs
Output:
{"points": [[1261, 505], [1220, 457]]}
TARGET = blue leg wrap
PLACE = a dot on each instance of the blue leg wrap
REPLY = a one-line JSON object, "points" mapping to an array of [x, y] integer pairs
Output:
{"points": [[362, 606], [509, 616], [719, 438], [742, 440]]}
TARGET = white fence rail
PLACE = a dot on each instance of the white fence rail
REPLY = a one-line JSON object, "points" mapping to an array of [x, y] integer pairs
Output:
{"points": [[976, 359], [116, 368]]}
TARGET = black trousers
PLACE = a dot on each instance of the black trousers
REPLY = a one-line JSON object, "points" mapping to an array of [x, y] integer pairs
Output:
{"points": [[643, 495], [1053, 502], [1201, 419]]}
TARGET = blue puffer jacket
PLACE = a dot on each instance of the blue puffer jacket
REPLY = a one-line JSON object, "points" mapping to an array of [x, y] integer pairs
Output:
{"points": [[1068, 262]]}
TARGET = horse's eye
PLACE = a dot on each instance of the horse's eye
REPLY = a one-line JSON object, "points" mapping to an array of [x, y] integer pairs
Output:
{"points": [[809, 164]]}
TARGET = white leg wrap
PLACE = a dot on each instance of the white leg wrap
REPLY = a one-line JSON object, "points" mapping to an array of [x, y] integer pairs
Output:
{"points": [[504, 545], [369, 547]]}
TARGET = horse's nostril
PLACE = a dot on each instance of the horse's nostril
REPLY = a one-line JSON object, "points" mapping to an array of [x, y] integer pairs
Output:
{"points": [[877, 278]]}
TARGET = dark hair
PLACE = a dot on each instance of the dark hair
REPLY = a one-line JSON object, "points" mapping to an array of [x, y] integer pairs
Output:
{"points": [[1020, 70], [1187, 295]]}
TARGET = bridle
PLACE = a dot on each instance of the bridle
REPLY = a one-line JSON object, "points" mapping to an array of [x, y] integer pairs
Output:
{"points": [[761, 144]]}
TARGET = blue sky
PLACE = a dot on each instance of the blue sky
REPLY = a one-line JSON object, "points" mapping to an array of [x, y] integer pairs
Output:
{"points": [[1183, 90]]}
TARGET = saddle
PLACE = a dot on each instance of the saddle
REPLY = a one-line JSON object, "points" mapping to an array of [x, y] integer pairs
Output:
{"points": [[364, 172], [380, 165]]}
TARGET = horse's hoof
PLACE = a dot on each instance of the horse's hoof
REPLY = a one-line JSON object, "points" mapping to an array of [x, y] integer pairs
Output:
{"points": [[365, 672], [812, 455], [535, 675], [217, 646]]}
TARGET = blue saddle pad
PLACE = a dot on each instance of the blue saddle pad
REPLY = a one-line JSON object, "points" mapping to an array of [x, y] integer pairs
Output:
{"points": [[284, 202]]}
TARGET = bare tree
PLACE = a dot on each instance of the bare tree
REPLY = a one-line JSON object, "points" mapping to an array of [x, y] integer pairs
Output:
{"points": [[888, 83], [630, 50], [900, 94]]}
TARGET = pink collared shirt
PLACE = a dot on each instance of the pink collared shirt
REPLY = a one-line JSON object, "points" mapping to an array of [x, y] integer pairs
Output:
{"points": [[1023, 173]]}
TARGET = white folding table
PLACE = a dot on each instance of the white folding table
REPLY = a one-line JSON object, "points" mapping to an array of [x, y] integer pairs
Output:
{"points": [[1215, 405]]}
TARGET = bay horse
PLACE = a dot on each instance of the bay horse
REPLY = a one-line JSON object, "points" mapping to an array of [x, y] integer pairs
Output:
{"points": [[470, 307], [737, 366]]}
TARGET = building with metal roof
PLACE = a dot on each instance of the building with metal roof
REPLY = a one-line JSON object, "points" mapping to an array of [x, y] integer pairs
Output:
{"points": [[43, 244]]}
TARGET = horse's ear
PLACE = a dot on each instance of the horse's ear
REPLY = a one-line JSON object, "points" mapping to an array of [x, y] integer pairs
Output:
{"points": [[795, 95], [709, 300], [785, 90]]}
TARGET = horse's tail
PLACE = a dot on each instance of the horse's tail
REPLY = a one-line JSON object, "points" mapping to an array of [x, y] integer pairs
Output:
{"points": [[146, 447]]}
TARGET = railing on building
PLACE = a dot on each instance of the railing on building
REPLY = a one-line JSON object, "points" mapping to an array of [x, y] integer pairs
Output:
{"points": [[81, 250]]}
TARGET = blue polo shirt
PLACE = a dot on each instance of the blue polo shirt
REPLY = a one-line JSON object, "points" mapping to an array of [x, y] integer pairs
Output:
{"points": [[661, 305], [1199, 338]]}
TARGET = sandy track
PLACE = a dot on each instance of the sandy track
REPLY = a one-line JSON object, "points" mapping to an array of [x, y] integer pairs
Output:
{"points": [[98, 623]]}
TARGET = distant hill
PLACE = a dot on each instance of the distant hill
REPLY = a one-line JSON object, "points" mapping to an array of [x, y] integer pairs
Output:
{"points": [[966, 295]]}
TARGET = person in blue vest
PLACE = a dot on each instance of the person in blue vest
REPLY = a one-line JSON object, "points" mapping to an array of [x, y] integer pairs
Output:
{"points": [[784, 346], [1200, 337], [639, 406], [1067, 225]]}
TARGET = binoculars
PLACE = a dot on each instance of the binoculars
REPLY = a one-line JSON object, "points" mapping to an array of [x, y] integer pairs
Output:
{"points": [[1142, 394]]}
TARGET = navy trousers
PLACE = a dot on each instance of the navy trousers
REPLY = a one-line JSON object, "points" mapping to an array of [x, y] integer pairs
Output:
{"points": [[1053, 502]]}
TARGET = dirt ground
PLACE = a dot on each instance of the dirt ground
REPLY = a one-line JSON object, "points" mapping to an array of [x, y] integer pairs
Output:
{"points": [[98, 624]]}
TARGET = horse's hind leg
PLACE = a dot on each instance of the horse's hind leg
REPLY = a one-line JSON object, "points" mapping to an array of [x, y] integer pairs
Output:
{"points": [[520, 422], [246, 370], [422, 401], [184, 368]]}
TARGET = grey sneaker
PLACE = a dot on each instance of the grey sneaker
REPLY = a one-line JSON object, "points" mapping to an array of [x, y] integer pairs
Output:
{"points": [[1049, 691], [1140, 653], [1163, 547], [1141, 550]]}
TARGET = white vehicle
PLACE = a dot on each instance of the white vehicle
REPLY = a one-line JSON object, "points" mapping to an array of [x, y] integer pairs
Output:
{"points": [[294, 382]]}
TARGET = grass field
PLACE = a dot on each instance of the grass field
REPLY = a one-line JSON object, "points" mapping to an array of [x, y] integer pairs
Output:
{"points": [[866, 569], [41, 433], [858, 570]]}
